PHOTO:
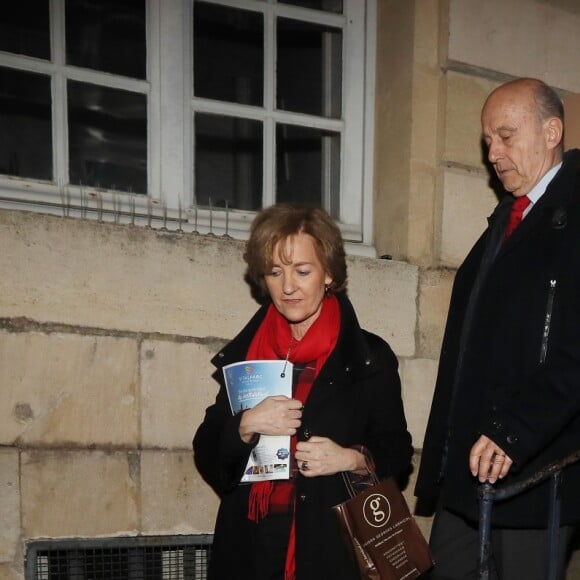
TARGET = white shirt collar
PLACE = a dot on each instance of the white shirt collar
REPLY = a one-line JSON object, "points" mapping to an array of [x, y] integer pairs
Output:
{"points": [[540, 188]]}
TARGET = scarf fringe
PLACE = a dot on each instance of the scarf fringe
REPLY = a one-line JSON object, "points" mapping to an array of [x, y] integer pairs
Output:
{"points": [[259, 500]]}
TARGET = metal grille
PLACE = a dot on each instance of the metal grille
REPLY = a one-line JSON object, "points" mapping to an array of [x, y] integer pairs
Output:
{"points": [[139, 558]]}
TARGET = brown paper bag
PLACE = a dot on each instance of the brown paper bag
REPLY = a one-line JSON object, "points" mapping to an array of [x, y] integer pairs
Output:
{"points": [[381, 532]]}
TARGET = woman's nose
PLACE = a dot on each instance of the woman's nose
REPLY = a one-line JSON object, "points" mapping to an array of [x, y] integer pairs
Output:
{"points": [[288, 286]]}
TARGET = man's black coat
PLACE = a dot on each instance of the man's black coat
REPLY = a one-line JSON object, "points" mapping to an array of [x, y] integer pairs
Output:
{"points": [[510, 362], [356, 399]]}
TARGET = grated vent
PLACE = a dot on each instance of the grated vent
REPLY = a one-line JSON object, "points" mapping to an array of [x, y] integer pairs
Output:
{"points": [[133, 558]]}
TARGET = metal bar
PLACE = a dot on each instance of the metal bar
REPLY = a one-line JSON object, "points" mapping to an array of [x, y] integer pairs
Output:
{"points": [[540, 475], [554, 526], [486, 496]]}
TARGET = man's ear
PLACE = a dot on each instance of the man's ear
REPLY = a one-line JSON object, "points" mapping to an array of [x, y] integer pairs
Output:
{"points": [[554, 131]]}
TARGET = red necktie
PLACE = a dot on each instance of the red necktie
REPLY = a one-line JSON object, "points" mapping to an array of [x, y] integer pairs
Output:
{"points": [[517, 211]]}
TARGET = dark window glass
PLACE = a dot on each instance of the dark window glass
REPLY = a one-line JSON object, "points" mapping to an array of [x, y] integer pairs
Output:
{"points": [[25, 124], [228, 162], [326, 5], [107, 137], [309, 68], [107, 35], [307, 166], [25, 28], [228, 54]]}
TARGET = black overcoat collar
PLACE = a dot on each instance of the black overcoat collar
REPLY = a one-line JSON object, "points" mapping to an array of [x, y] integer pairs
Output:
{"points": [[352, 355]]}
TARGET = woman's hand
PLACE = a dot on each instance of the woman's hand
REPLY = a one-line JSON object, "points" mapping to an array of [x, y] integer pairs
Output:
{"points": [[277, 415], [322, 456]]}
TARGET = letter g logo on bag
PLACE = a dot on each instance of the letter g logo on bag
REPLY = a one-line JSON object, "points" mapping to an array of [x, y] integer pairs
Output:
{"points": [[376, 510]]}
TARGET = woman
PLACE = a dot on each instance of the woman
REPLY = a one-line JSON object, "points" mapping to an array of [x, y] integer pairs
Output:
{"points": [[346, 407]]}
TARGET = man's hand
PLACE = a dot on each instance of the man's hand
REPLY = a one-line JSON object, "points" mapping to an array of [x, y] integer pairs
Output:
{"points": [[487, 461]]}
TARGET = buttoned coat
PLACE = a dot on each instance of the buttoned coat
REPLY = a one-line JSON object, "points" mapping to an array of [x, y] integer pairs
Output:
{"points": [[510, 360], [356, 399]]}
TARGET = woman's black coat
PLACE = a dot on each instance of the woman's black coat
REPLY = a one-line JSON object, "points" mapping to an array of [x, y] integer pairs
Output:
{"points": [[356, 399], [513, 374]]}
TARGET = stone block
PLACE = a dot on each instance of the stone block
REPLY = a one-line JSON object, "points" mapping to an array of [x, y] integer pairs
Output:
{"points": [[467, 202], [384, 295], [11, 571], [418, 381], [79, 493], [175, 499], [423, 212], [9, 504], [572, 121], [465, 97], [519, 38], [433, 305], [114, 276], [177, 386], [68, 389]]}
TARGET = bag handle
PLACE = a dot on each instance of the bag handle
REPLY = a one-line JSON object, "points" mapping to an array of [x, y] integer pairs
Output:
{"points": [[355, 483]]}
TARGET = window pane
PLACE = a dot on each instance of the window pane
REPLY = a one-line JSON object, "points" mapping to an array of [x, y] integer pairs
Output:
{"points": [[25, 124], [25, 28], [228, 54], [107, 35], [228, 162], [309, 68], [308, 166], [107, 137], [326, 5]]}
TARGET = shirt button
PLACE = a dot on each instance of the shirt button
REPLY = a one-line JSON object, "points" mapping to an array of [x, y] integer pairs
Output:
{"points": [[307, 433], [511, 439], [302, 497]]}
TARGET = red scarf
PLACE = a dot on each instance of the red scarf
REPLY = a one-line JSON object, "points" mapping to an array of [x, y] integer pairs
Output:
{"points": [[272, 341]]}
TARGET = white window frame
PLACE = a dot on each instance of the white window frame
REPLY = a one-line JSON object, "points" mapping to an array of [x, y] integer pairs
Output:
{"points": [[171, 108]]}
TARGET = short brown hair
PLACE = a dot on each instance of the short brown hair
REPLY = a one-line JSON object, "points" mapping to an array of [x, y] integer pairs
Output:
{"points": [[279, 222]]}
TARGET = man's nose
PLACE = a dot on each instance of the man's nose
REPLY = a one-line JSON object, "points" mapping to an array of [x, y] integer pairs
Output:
{"points": [[493, 152]]}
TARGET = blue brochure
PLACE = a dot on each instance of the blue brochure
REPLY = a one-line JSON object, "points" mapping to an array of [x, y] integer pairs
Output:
{"points": [[248, 383]]}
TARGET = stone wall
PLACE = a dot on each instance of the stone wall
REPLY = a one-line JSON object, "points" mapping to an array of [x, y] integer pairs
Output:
{"points": [[106, 331], [106, 336]]}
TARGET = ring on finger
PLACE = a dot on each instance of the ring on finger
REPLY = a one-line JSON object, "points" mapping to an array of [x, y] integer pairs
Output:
{"points": [[304, 466]]}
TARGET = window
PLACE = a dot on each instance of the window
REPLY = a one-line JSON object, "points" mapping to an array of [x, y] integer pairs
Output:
{"points": [[74, 112], [199, 112]]}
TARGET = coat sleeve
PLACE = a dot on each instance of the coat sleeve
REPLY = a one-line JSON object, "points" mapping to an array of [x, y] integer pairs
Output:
{"points": [[387, 437], [533, 407], [541, 420], [220, 453]]}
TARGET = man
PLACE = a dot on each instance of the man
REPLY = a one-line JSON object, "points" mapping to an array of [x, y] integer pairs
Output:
{"points": [[507, 398]]}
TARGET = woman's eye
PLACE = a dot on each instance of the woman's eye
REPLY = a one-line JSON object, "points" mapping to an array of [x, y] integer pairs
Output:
{"points": [[303, 272], [274, 273]]}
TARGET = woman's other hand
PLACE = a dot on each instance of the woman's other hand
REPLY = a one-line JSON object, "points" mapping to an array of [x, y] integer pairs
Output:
{"points": [[322, 456], [276, 415]]}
